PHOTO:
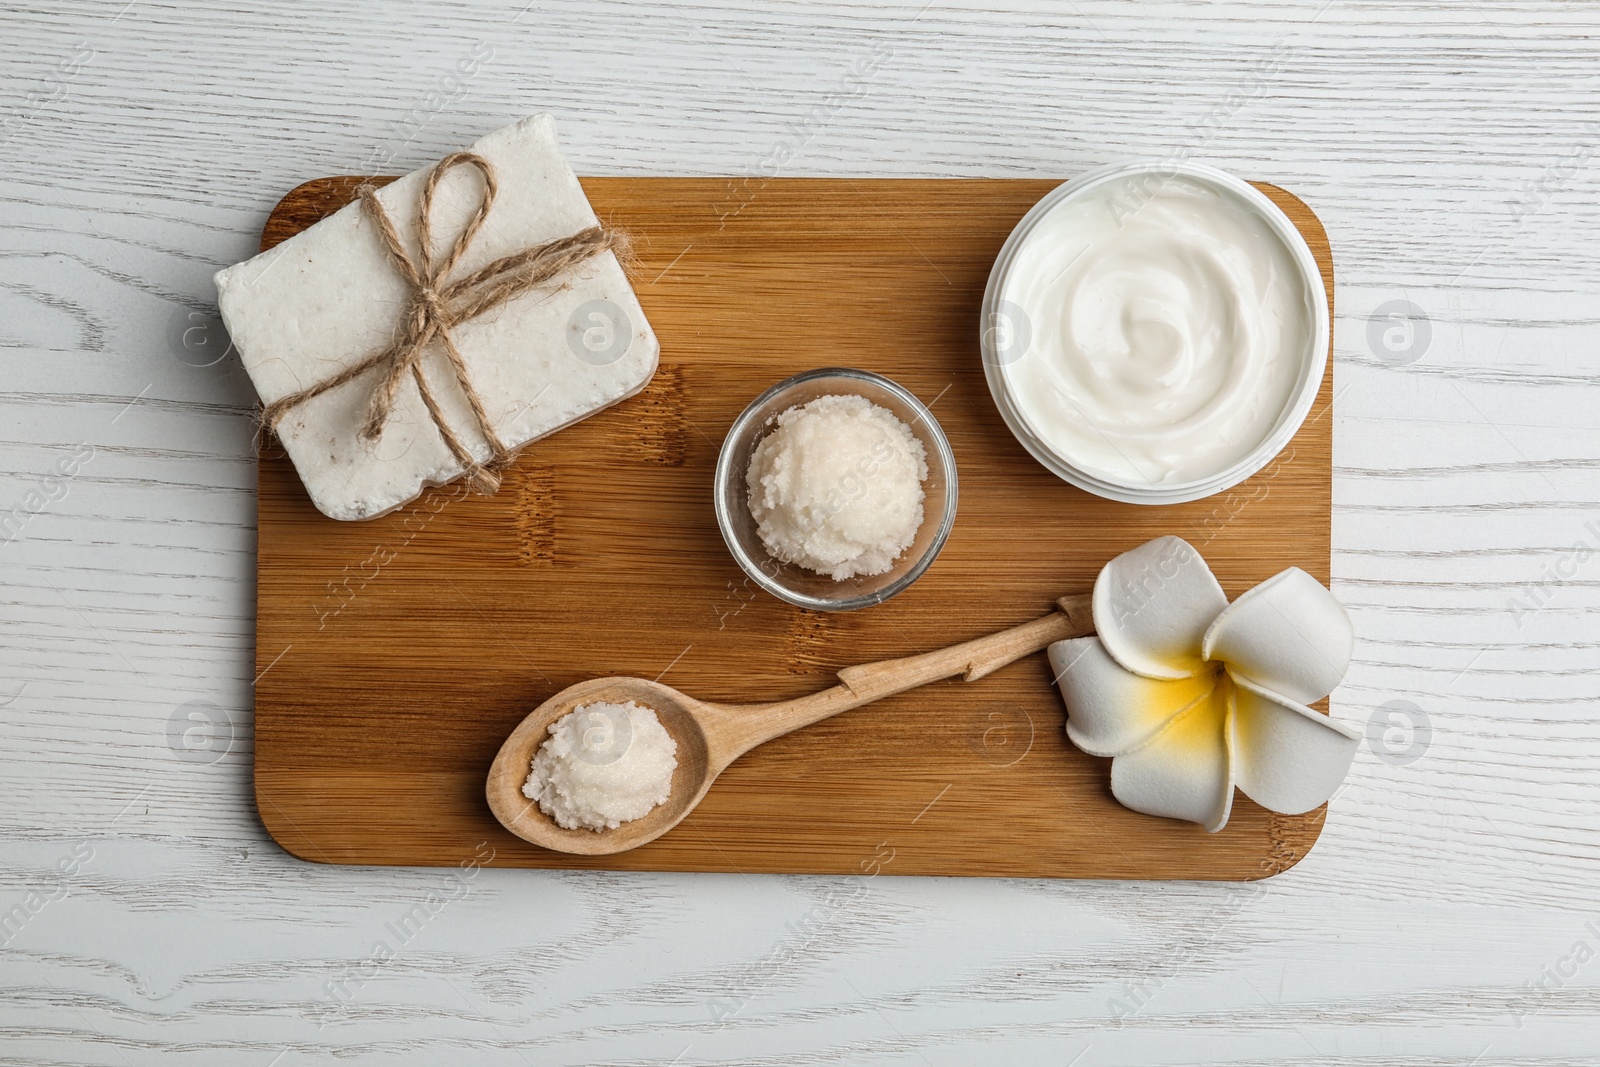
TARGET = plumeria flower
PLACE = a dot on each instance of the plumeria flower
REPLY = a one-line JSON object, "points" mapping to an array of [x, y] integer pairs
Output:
{"points": [[1191, 695]]}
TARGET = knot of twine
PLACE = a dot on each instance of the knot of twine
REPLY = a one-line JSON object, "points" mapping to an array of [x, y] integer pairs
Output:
{"points": [[437, 305]]}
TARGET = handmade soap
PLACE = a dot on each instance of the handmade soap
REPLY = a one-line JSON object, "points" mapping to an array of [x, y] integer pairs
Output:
{"points": [[332, 296]]}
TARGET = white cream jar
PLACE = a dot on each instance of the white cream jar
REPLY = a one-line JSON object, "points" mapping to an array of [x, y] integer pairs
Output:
{"points": [[1155, 333]]}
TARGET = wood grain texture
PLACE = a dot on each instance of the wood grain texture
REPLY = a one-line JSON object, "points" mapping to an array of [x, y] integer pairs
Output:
{"points": [[364, 630], [1448, 147]]}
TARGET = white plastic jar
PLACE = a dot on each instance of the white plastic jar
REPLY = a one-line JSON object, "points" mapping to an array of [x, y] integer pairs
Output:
{"points": [[1155, 332]]}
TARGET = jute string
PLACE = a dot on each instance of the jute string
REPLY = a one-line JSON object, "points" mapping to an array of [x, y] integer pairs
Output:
{"points": [[437, 305]]}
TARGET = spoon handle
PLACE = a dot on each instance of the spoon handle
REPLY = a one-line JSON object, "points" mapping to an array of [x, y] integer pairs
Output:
{"points": [[740, 729], [971, 659]]}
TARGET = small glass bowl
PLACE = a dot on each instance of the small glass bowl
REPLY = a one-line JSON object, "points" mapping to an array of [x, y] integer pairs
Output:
{"points": [[794, 584]]}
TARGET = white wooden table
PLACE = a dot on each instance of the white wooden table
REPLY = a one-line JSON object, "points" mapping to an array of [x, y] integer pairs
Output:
{"points": [[1449, 913]]}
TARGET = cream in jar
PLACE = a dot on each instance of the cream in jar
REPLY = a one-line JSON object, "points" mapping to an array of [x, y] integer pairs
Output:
{"points": [[1169, 330]]}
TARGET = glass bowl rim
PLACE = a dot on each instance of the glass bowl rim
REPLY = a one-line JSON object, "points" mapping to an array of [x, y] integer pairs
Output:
{"points": [[742, 427]]}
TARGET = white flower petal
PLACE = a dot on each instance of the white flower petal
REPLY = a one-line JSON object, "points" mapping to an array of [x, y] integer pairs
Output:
{"points": [[1287, 634], [1287, 757], [1185, 772], [1152, 605], [1111, 710]]}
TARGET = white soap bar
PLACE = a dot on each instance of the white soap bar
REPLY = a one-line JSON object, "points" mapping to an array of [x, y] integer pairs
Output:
{"points": [[331, 296]]}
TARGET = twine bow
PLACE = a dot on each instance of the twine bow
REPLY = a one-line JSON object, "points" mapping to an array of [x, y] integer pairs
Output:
{"points": [[437, 306]]}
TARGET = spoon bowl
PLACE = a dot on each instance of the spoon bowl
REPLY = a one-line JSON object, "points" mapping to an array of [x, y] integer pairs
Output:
{"points": [[711, 736], [690, 779]]}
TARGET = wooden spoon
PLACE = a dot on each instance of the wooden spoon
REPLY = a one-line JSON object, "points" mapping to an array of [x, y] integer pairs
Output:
{"points": [[711, 736]]}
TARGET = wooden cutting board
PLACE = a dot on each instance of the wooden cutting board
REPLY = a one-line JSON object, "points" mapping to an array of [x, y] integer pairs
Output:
{"points": [[395, 655]]}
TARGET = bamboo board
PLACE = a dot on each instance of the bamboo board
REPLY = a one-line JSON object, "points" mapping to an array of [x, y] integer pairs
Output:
{"points": [[393, 656]]}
